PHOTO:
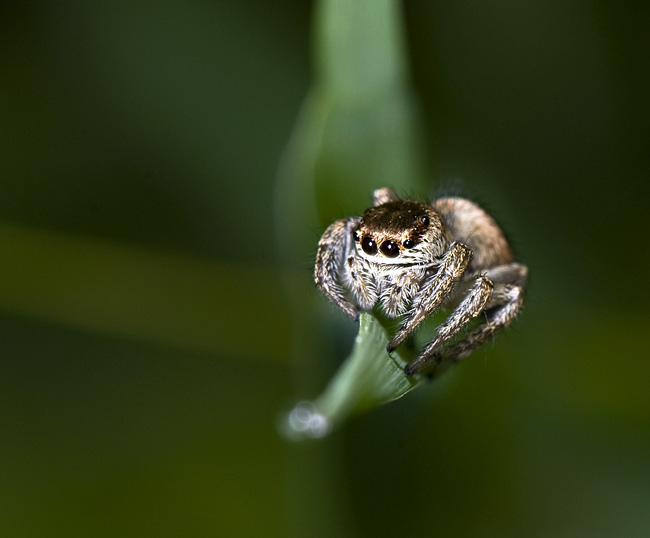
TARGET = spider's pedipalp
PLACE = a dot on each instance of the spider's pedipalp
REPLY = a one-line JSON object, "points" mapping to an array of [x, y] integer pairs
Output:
{"points": [[396, 297]]}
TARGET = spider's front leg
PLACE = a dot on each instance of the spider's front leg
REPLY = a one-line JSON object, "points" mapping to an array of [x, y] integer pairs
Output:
{"points": [[334, 249], [471, 306], [435, 291], [502, 308]]}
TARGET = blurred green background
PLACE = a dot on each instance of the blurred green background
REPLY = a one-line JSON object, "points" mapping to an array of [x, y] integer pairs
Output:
{"points": [[146, 330]]}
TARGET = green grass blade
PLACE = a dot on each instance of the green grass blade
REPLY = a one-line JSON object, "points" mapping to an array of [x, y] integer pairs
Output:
{"points": [[357, 131], [368, 378]]}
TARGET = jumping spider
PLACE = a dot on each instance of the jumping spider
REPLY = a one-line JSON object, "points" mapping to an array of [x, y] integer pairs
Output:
{"points": [[414, 258]]}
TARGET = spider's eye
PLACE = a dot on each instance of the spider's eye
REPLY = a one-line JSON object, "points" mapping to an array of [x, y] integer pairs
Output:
{"points": [[355, 235], [368, 245], [408, 243], [390, 249], [424, 220]]}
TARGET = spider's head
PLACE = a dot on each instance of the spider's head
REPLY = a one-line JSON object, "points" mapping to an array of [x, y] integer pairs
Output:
{"points": [[400, 232]]}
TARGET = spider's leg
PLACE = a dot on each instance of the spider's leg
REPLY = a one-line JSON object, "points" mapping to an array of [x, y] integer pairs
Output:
{"points": [[508, 299], [471, 306], [502, 307], [511, 273], [381, 196], [333, 248], [435, 292]]}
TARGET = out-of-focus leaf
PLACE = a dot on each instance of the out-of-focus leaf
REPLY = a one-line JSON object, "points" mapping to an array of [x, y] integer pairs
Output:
{"points": [[357, 132], [143, 294], [369, 377]]}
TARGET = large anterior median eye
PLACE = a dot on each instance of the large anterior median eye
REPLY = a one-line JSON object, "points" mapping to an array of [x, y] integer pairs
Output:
{"points": [[390, 249], [369, 245]]}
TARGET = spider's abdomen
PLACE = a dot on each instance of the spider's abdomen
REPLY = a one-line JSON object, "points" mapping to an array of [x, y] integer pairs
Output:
{"points": [[471, 225]]}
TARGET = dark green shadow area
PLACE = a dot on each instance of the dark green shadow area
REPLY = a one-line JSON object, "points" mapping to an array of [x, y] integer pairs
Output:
{"points": [[109, 437]]}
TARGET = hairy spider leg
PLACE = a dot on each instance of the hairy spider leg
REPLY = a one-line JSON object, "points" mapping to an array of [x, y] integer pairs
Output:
{"points": [[510, 273], [504, 305], [333, 248], [497, 318], [471, 306], [435, 291]]}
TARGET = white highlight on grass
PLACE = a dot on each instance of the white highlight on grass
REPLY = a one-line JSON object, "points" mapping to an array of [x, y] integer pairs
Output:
{"points": [[305, 420]]}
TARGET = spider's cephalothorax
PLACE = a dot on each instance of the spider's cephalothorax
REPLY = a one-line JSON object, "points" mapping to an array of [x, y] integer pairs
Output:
{"points": [[414, 258]]}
